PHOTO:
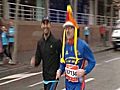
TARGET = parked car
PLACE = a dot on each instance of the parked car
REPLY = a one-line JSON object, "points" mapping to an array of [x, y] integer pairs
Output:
{"points": [[116, 36]]}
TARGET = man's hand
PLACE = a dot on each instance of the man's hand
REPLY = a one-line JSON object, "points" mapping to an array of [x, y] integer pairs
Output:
{"points": [[32, 63], [80, 72], [58, 74]]}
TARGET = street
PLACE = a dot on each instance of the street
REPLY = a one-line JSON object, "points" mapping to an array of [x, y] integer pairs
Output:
{"points": [[105, 76]]}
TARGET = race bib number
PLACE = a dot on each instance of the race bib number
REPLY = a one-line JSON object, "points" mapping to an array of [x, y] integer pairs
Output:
{"points": [[71, 72]]}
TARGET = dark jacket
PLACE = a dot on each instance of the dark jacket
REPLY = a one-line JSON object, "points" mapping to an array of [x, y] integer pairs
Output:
{"points": [[49, 52]]}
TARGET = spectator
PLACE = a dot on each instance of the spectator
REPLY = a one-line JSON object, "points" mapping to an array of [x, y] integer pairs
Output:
{"points": [[86, 33], [102, 31], [11, 33], [107, 33], [1, 48], [5, 42]]}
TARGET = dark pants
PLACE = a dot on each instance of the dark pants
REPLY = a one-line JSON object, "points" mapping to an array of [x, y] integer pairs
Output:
{"points": [[50, 86], [103, 39], [10, 49], [1, 51], [86, 38], [1, 56], [5, 50]]}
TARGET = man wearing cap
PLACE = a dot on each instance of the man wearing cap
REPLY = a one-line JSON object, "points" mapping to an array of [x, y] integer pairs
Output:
{"points": [[48, 50], [75, 52]]}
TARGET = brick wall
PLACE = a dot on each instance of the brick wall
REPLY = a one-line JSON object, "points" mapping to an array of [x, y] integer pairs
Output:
{"points": [[30, 32]]}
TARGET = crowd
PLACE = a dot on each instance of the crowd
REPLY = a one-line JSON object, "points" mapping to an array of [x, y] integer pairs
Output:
{"points": [[7, 43]]}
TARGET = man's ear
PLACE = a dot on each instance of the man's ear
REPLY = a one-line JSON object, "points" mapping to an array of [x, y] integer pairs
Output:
{"points": [[49, 25], [42, 25]]}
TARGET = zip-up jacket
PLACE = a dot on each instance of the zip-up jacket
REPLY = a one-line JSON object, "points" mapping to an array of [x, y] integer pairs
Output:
{"points": [[49, 52]]}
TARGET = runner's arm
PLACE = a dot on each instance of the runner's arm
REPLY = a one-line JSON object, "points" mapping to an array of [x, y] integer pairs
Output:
{"points": [[37, 55], [88, 55]]}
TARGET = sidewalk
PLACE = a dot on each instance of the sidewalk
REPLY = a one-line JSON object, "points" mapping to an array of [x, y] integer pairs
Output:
{"points": [[98, 47]]}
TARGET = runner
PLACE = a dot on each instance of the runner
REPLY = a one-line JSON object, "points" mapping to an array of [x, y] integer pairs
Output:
{"points": [[74, 53], [48, 50]]}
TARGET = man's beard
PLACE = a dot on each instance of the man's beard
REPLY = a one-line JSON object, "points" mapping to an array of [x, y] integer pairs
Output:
{"points": [[46, 31]]}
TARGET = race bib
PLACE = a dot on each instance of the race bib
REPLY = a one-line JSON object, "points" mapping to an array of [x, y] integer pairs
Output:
{"points": [[71, 72]]}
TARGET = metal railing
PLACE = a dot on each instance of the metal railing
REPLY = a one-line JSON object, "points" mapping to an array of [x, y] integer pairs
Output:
{"points": [[33, 13], [1, 9], [26, 12], [58, 16]]}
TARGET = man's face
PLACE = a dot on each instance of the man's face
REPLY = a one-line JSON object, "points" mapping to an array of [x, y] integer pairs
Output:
{"points": [[69, 32], [4, 28], [46, 27], [11, 23]]}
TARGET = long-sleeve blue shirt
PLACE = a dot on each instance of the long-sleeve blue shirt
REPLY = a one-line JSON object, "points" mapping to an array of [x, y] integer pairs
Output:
{"points": [[4, 38], [84, 53]]}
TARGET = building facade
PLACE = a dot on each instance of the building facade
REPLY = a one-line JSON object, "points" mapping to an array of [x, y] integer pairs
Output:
{"points": [[92, 12]]}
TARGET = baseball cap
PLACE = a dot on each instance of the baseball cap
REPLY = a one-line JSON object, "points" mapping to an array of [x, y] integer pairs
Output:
{"points": [[45, 19]]}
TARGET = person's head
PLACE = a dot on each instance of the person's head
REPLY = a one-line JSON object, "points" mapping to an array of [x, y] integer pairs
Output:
{"points": [[11, 23], [45, 25], [4, 29], [69, 29], [86, 28]]}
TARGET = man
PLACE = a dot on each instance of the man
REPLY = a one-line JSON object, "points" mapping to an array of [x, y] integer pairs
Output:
{"points": [[5, 42], [74, 53], [1, 48], [48, 50], [11, 40], [86, 33], [102, 31]]}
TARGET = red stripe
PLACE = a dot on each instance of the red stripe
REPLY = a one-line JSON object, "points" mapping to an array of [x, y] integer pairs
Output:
{"points": [[83, 83]]}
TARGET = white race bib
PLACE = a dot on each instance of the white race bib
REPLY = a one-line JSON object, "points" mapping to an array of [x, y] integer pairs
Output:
{"points": [[71, 72]]}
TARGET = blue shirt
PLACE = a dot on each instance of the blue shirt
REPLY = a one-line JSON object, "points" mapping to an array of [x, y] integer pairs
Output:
{"points": [[4, 38], [84, 53], [86, 31], [11, 31]]}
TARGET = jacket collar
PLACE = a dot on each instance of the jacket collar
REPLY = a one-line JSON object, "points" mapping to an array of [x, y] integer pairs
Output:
{"points": [[48, 37]]}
